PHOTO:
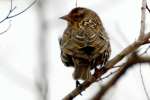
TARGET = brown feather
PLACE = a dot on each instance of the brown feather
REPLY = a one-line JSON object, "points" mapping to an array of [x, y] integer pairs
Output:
{"points": [[84, 44]]}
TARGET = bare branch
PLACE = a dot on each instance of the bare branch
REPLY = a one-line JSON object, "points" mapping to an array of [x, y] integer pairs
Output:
{"points": [[129, 49], [143, 11], [142, 37], [9, 26], [123, 69], [76, 3], [24, 9], [147, 8], [42, 82], [144, 86], [146, 50], [13, 8]]}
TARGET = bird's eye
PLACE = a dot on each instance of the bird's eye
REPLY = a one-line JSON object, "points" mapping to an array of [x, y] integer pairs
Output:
{"points": [[78, 17]]}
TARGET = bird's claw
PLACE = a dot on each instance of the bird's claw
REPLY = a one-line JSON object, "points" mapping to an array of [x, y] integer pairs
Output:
{"points": [[77, 85]]}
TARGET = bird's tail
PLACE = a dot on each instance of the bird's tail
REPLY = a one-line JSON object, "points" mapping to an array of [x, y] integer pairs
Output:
{"points": [[82, 72]]}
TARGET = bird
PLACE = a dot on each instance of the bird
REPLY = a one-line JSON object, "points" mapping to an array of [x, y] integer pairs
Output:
{"points": [[84, 44]]}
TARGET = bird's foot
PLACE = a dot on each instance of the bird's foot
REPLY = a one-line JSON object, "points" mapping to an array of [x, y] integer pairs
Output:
{"points": [[77, 85]]}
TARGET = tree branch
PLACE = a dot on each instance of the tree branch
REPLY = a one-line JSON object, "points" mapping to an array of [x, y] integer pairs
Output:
{"points": [[143, 11], [9, 16], [23, 10], [134, 59], [13, 8], [6, 29], [147, 8], [42, 77], [99, 72], [143, 83], [131, 61]]}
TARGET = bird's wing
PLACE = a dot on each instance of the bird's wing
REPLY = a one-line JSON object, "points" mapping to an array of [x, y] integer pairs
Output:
{"points": [[65, 57]]}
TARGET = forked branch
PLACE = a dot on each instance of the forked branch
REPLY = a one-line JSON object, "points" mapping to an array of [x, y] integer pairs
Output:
{"points": [[9, 16]]}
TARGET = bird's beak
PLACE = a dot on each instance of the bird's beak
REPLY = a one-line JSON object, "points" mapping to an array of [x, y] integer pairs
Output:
{"points": [[66, 17]]}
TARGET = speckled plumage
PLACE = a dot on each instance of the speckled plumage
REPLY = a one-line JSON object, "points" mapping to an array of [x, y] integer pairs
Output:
{"points": [[84, 44]]}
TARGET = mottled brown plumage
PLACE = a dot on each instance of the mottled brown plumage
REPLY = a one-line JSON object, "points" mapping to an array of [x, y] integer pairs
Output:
{"points": [[84, 44]]}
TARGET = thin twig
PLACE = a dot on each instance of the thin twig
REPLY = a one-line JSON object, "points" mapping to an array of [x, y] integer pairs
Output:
{"points": [[13, 8], [111, 73], [76, 3], [9, 26], [146, 50], [147, 8], [24, 9], [143, 84], [10, 11]]}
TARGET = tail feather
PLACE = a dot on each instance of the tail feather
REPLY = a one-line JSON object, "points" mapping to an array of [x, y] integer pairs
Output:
{"points": [[82, 72]]}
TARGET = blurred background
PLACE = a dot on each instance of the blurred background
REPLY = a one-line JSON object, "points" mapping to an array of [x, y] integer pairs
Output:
{"points": [[30, 64]]}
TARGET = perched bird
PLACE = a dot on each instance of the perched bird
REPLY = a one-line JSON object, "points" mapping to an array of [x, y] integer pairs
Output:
{"points": [[84, 44]]}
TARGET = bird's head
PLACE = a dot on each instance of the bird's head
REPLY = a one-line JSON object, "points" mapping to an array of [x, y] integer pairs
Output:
{"points": [[78, 14]]}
